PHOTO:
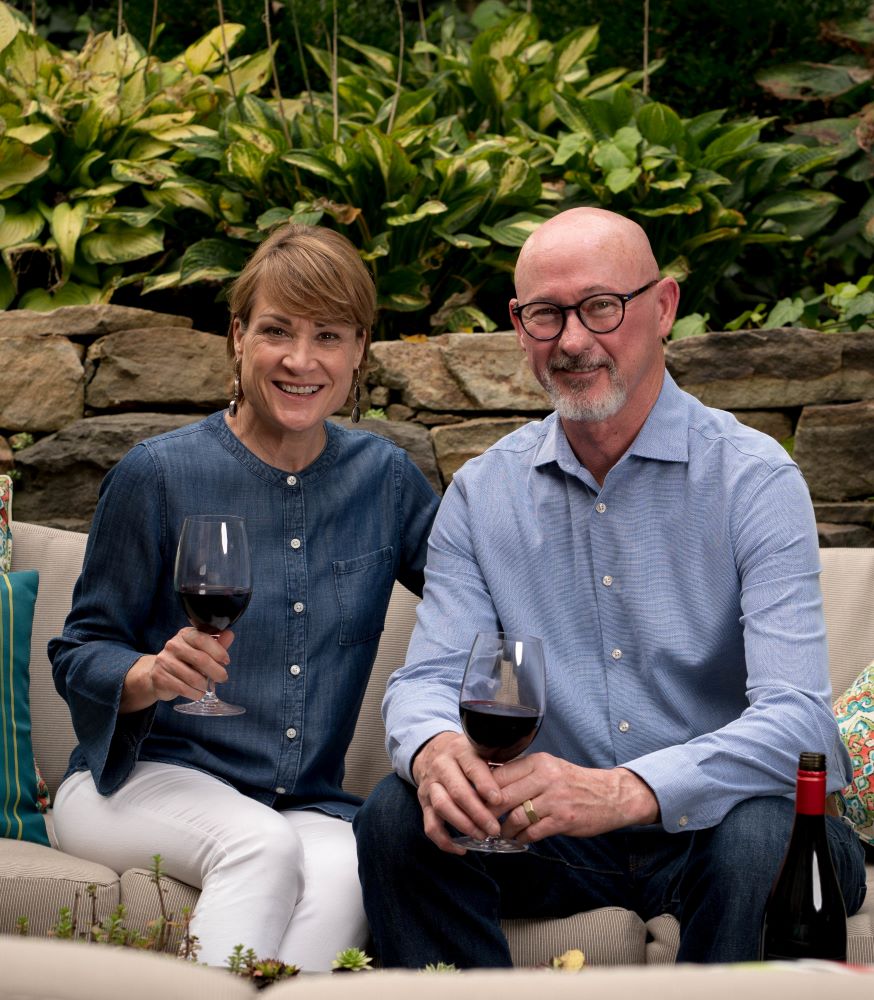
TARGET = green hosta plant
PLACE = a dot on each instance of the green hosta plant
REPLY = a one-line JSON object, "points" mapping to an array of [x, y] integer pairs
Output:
{"points": [[93, 166]]}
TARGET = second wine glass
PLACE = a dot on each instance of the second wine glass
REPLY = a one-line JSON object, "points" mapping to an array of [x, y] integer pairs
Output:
{"points": [[213, 579], [502, 701]]}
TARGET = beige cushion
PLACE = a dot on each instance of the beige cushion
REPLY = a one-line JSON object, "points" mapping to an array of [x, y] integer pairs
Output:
{"points": [[31, 969], [57, 555], [848, 597], [36, 881]]}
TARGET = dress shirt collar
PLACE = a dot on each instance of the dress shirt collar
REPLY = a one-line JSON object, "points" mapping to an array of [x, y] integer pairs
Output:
{"points": [[664, 435]]}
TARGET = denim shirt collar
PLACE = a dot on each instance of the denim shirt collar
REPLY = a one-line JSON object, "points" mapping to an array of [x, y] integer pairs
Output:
{"points": [[269, 473]]}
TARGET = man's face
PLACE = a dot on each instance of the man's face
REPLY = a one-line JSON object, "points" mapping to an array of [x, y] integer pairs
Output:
{"points": [[594, 377]]}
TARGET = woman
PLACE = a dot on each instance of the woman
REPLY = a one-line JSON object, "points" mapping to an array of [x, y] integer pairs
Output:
{"points": [[250, 808]]}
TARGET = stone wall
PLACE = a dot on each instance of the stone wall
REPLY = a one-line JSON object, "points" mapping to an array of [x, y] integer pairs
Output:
{"points": [[86, 383]]}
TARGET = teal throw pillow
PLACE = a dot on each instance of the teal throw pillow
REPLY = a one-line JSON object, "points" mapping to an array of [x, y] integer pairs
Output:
{"points": [[20, 818]]}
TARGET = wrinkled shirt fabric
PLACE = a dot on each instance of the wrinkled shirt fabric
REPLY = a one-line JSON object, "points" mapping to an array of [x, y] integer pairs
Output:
{"points": [[679, 606], [327, 545]]}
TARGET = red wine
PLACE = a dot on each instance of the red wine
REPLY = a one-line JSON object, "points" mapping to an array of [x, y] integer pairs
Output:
{"points": [[499, 732], [805, 915], [213, 609]]}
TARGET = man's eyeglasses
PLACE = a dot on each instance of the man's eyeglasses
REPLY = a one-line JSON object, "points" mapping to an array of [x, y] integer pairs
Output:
{"points": [[601, 313]]}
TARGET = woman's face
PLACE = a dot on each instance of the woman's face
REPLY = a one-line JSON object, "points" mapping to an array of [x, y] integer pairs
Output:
{"points": [[295, 371]]}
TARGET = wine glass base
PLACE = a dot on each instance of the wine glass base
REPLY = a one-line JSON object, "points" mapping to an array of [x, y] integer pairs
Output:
{"points": [[491, 845], [210, 706]]}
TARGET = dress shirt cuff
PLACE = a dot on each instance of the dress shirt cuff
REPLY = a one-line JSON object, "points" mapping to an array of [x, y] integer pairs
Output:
{"points": [[686, 798], [404, 751]]}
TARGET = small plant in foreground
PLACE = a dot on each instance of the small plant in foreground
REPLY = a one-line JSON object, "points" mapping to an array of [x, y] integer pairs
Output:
{"points": [[263, 971], [351, 960], [441, 967]]}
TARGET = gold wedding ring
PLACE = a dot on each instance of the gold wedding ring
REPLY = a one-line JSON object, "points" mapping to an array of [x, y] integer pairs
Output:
{"points": [[529, 811]]}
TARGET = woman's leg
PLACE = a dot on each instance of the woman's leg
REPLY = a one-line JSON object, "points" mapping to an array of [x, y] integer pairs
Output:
{"points": [[246, 857], [330, 913]]}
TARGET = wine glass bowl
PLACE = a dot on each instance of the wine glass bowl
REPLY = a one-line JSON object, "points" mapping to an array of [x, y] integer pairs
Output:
{"points": [[213, 579], [501, 704]]}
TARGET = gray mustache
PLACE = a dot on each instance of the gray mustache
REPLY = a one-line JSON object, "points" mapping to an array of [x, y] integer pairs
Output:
{"points": [[572, 365]]}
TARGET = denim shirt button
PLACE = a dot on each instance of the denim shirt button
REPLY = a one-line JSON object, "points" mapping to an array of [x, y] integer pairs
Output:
{"points": [[291, 733], [294, 669], [298, 606], [291, 480], [280, 790], [295, 543]]}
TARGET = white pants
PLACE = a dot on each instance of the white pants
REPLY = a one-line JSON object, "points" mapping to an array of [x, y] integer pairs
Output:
{"points": [[282, 883]]}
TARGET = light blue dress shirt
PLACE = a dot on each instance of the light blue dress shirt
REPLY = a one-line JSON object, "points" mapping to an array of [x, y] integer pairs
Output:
{"points": [[327, 544], [679, 605]]}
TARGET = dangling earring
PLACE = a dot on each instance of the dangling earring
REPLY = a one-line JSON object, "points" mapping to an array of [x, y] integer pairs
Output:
{"points": [[234, 404], [356, 399]]}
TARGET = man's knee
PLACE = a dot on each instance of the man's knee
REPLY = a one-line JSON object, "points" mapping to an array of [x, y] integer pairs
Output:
{"points": [[390, 816], [750, 841]]}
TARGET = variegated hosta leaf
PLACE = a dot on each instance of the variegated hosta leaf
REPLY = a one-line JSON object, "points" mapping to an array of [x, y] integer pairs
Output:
{"points": [[265, 140], [147, 148], [135, 217], [21, 227], [518, 183], [464, 241], [514, 231], [19, 165], [245, 160], [404, 290], [182, 193], [109, 57], [316, 164], [249, 73], [573, 48], [70, 294], [393, 164], [205, 55], [99, 118], [11, 22], [211, 260], [179, 136], [158, 123], [279, 216], [157, 282], [67, 223], [147, 173], [29, 134], [425, 209], [118, 244]]}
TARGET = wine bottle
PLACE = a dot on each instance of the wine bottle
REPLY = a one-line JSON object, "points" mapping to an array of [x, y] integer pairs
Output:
{"points": [[805, 915]]}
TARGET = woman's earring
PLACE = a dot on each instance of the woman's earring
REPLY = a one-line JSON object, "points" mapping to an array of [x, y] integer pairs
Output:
{"points": [[234, 404], [356, 399]]}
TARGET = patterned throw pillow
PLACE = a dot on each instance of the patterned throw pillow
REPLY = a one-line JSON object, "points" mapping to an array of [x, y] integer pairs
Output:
{"points": [[854, 711], [5, 516], [20, 817]]}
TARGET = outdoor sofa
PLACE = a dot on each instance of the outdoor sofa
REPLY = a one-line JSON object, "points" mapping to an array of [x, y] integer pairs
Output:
{"points": [[35, 881]]}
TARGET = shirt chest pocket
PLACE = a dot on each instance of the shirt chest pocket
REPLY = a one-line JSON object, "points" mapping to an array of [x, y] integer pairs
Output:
{"points": [[364, 586]]}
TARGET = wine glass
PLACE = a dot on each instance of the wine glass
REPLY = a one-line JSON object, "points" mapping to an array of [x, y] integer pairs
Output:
{"points": [[213, 579], [502, 701]]}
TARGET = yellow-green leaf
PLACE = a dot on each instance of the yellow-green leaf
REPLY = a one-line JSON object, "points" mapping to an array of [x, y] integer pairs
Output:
{"points": [[425, 209], [119, 244], [19, 165], [157, 123], [29, 134], [147, 173], [66, 224], [22, 227], [249, 73], [514, 231], [11, 22], [205, 55]]}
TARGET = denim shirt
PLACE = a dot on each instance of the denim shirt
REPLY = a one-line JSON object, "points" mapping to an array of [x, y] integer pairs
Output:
{"points": [[679, 605], [327, 545]]}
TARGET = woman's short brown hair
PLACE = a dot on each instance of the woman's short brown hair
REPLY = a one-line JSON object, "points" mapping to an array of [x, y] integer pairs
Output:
{"points": [[307, 271]]}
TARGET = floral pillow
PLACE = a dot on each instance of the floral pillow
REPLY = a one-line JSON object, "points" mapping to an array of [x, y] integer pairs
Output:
{"points": [[854, 711], [5, 517]]}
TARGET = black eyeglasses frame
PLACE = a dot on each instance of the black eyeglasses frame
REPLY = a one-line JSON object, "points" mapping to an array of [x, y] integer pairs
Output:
{"points": [[624, 298]]}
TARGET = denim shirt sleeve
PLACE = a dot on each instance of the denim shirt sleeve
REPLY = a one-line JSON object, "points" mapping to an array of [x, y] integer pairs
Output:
{"points": [[99, 643]]}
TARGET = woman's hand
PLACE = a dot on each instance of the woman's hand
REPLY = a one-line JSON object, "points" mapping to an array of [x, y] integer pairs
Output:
{"points": [[455, 786], [570, 800], [188, 660]]}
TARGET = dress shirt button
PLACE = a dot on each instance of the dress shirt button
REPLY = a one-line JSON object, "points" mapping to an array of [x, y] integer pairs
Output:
{"points": [[624, 726], [280, 790], [600, 507], [291, 733], [298, 606], [607, 581], [294, 669], [295, 543], [291, 480], [682, 821], [616, 654]]}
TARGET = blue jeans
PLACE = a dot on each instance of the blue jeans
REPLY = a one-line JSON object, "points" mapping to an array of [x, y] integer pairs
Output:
{"points": [[427, 906]]}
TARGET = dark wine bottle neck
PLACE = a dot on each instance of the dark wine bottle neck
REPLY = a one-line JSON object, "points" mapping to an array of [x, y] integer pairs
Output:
{"points": [[810, 793]]}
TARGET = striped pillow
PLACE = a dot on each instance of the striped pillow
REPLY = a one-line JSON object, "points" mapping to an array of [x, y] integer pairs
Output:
{"points": [[20, 818]]}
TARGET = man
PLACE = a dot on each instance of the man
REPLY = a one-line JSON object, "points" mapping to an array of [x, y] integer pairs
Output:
{"points": [[668, 558]]}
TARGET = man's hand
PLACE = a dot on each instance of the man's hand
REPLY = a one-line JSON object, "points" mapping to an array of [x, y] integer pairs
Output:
{"points": [[188, 660], [570, 800], [456, 786]]}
